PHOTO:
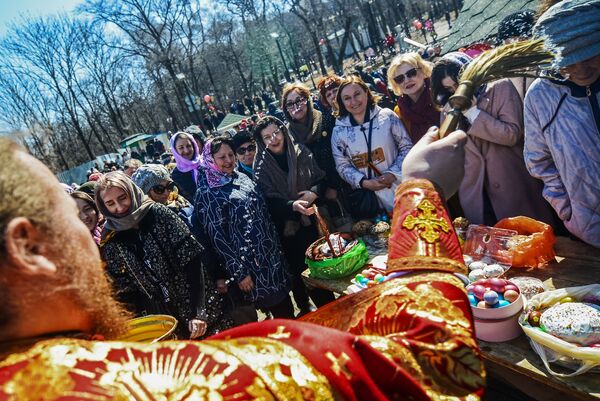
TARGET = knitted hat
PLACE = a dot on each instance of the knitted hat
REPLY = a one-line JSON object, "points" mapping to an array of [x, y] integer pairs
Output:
{"points": [[458, 58], [519, 24], [241, 138], [571, 30], [150, 175]]}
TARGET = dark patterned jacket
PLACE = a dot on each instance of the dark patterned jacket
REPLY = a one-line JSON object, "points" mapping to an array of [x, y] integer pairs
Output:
{"points": [[158, 269], [235, 218]]}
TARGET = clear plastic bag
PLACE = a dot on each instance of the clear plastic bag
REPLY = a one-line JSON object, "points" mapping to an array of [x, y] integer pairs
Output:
{"points": [[552, 349], [487, 252]]}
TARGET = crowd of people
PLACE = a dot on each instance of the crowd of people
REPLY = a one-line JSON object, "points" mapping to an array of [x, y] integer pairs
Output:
{"points": [[219, 228]]}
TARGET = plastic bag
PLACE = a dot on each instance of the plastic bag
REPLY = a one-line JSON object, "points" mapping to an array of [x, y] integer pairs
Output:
{"points": [[552, 349], [345, 265]]}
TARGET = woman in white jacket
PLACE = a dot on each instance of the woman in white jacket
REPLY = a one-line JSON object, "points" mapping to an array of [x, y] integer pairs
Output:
{"points": [[359, 122]]}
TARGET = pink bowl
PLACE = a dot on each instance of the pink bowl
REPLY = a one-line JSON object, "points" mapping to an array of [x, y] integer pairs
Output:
{"points": [[498, 324]]}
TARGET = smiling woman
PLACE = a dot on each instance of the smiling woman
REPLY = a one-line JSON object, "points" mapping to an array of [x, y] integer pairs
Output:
{"points": [[409, 76], [368, 144], [156, 265], [229, 210]]}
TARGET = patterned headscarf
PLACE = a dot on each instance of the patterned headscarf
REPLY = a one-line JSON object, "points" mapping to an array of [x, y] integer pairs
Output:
{"points": [[184, 165], [214, 175], [140, 203]]}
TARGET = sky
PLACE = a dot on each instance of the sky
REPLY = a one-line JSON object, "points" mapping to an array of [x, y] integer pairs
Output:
{"points": [[10, 10]]}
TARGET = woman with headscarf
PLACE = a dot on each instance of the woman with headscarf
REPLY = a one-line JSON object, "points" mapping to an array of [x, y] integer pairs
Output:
{"points": [[496, 182], [187, 156], [288, 175], [153, 259], [234, 216], [88, 213], [408, 74], [310, 127]]}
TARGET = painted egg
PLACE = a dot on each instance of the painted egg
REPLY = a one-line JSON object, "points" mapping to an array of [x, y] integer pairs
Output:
{"points": [[359, 277], [378, 276], [365, 272], [475, 275], [502, 303], [491, 297], [478, 291], [512, 287], [495, 281], [534, 318], [493, 270], [483, 305], [477, 265], [472, 299], [511, 295], [469, 288], [380, 279]]}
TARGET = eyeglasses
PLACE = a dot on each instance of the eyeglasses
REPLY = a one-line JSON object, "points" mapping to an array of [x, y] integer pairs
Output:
{"points": [[297, 104], [241, 150], [409, 74], [160, 189]]}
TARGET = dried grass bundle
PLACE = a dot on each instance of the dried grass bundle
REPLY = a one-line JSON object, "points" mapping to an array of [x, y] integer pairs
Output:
{"points": [[519, 59]]}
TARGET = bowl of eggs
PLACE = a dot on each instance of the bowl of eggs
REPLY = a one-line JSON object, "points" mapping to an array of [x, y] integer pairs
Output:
{"points": [[496, 305]]}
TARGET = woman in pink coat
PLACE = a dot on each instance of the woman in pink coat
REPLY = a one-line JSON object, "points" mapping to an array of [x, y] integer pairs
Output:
{"points": [[496, 183]]}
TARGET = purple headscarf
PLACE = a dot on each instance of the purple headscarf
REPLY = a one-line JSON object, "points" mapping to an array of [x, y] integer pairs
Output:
{"points": [[184, 165], [214, 175]]}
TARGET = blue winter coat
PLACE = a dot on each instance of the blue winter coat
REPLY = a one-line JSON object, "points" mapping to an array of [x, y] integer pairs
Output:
{"points": [[235, 218]]}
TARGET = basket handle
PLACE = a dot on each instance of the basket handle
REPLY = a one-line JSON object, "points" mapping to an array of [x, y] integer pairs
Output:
{"points": [[539, 349]]}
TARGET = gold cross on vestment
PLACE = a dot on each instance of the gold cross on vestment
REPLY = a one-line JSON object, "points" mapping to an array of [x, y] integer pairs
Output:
{"points": [[427, 222], [339, 364]]}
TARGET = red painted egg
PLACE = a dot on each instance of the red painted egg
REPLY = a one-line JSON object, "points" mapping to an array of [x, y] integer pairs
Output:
{"points": [[510, 286], [478, 291]]}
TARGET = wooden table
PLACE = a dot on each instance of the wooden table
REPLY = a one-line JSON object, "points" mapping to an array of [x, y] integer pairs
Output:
{"points": [[515, 362]]}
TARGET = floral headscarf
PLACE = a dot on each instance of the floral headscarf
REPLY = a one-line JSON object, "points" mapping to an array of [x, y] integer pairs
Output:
{"points": [[184, 165], [214, 175]]}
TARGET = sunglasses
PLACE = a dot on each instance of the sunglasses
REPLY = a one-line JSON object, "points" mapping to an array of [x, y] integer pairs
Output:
{"points": [[409, 74], [296, 105], [160, 189], [241, 150]]}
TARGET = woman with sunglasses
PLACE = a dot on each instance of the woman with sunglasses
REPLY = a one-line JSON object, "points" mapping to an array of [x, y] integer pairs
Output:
{"points": [[496, 182], [155, 263], [154, 180], [310, 127], [369, 144], [233, 214], [288, 175], [245, 150], [408, 74], [187, 157]]}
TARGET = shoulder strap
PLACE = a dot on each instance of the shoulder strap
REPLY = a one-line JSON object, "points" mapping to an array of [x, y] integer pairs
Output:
{"points": [[369, 159]]}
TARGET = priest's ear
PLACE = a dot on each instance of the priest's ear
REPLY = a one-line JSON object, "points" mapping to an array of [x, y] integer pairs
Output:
{"points": [[25, 248]]}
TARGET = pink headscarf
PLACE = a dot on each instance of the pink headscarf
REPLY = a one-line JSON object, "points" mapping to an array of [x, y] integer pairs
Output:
{"points": [[184, 165], [214, 175]]}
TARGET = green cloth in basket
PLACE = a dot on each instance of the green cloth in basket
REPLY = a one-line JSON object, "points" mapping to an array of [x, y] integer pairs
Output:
{"points": [[342, 266]]}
